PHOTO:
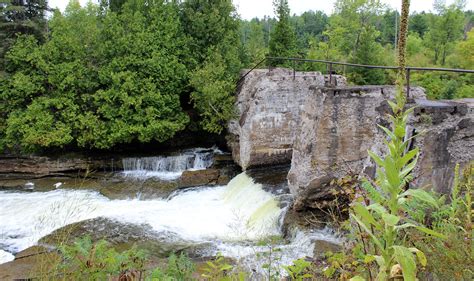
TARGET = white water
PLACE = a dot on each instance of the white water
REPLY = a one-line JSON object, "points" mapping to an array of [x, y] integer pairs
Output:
{"points": [[6, 257], [229, 217], [168, 167], [242, 210]]}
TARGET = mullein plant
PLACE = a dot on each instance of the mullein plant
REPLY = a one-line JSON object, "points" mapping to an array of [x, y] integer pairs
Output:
{"points": [[383, 220]]}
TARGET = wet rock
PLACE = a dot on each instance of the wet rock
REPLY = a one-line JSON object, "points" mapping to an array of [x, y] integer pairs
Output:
{"points": [[272, 179], [119, 188], [49, 183], [199, 178], [121, 236], [29, 263], [37, 166], [321, 247]]}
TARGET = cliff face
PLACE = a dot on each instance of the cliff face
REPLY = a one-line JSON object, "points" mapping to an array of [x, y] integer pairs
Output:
{"points": [[268, 105]]}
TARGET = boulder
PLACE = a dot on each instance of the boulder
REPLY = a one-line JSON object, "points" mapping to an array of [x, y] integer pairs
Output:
{"points": [[29, 263]]}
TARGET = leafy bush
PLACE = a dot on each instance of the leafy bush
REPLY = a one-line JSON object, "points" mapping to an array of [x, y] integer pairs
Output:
{"points": [[179, 268], [85, 260], [450, 259]]}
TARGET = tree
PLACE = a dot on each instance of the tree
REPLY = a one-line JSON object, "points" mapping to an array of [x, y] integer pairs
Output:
{"points": [[216, 56], [255, 44], [444, 30], [352, 32], [20, 17], [99, 82], [283, 39], [419, 23]]}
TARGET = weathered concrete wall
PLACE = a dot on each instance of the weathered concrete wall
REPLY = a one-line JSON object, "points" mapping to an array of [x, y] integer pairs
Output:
{"points": [[269, 104], [338, 126], [447, 138]]}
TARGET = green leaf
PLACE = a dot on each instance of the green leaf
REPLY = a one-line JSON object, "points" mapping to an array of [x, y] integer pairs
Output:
{"points": [[405, 258], [368, 259], [420, 255], [379, 209], [357, 278], [390, 219], [430, 232], [407, 157], [376, 158], [366, 229], [364, 214], [408, 168], [388, 132], [421, 195]]}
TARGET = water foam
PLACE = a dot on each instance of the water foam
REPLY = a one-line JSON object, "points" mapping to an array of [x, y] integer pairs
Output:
{"points": [[231, 218], [242, 210], [6, 257]]}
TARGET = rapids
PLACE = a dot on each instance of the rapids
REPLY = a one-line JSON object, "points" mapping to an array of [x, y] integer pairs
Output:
{"points": [[231, 219]]}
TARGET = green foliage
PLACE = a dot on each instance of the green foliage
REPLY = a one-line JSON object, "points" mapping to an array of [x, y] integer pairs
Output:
{"points": [[85, 260], [212, 96], [382, 219], [20, 18], [97, 82], [220, 270], [282, 39], [298, 271], [345, 264], [449, 259], [444, 31], [179, 268], [215, 46], [270, 256]]}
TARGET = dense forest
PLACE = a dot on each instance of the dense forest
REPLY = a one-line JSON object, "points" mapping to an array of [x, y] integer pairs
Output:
{"points": [[125, 71]]}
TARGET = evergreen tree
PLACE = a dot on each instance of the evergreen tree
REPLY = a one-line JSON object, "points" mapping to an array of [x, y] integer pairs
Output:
{"points": [[216, 59], [20, 17], [283, 38]]}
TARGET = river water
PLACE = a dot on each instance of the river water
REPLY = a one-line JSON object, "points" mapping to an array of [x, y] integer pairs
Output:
{"points": [[230, 219]]}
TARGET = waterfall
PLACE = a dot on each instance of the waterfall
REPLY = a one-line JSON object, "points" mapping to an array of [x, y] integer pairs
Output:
{"points": [[168, 167], [229, 219]]}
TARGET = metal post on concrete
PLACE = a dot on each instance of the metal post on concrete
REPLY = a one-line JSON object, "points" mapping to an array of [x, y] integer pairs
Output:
{"points": [[294, 70], [408, 83], [330, 74]]}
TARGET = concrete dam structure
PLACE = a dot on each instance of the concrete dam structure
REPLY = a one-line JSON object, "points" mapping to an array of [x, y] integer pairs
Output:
{"points": [[324, 130]]}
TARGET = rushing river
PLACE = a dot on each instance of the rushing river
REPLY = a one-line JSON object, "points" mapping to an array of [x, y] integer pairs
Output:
{"points": [[230, 219]]}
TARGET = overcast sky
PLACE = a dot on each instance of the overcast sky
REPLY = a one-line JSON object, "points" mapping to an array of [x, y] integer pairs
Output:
{"points": [[258, 8]]}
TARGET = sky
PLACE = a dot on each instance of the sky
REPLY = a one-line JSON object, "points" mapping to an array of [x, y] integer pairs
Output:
{"points": [[249, 9]]}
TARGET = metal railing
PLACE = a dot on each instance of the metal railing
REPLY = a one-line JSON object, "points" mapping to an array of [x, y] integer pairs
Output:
{"points": [[329, 67]]}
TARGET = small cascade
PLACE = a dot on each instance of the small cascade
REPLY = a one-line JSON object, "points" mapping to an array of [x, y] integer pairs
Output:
{"points": [[168, 167]]}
